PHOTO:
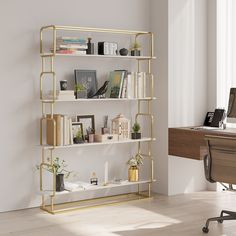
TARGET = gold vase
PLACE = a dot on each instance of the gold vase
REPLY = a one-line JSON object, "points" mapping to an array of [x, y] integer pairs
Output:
{"points": [[133, 174]]}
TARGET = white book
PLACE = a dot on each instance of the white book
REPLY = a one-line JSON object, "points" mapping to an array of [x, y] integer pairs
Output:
{"points": [[70, 132], [65, 130], [62, 130], [131, 85], [124, 88], [140, 85]]}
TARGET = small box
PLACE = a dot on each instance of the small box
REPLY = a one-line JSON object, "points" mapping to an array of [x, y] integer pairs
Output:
{"points": [[107, 48], [100, 138]]}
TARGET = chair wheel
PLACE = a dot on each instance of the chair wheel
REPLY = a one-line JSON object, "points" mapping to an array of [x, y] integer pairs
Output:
{"points": [[205, 230], [220, 221]]}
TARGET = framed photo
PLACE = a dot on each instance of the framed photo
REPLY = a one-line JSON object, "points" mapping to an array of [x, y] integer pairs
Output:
{"points": [[77, 132], [88, 122], [88, 79]]}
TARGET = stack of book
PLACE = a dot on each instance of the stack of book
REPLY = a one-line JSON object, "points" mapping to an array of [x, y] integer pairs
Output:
{"points": [[124, 84], [63, 95], [63, 130], [71, 45]]}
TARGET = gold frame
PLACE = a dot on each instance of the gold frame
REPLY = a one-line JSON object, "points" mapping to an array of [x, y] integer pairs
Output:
{"points": [[49, 57]]}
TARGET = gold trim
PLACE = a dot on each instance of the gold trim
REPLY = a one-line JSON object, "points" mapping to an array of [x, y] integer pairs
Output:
{"points": [[48, 108]]}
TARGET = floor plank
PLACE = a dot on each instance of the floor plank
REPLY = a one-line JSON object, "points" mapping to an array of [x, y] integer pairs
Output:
{"points": [[176, 215]]}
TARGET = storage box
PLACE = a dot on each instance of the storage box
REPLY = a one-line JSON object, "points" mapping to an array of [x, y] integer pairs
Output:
{"points": [[100, 138]]}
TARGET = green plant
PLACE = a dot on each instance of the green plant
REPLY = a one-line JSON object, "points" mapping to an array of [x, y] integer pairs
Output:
{"points": [[79, 87], [135, 46], [57, 165], [136, 127], [135, 161], [79, 135]]}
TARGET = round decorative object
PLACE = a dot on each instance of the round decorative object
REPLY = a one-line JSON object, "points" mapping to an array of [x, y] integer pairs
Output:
{"points": [[133, 174], [124, 52]]}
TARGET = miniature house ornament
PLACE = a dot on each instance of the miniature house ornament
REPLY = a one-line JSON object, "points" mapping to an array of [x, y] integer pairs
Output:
{"points": [[121, 126]]}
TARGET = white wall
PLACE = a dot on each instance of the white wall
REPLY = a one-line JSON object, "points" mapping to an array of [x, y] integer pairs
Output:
{"points": [[180, 37], [187, 92], [159, 25], [20, 22]]}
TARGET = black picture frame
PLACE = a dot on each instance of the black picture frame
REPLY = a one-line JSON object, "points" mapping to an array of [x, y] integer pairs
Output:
{"points": [[76, 126], [88, 78], [87, 121]]}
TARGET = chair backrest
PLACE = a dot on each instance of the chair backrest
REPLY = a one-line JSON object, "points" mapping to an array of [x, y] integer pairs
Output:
{"points": [[222, 158]]}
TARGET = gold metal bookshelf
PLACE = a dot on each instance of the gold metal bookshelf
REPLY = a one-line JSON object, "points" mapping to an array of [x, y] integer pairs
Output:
{"points": [[47, 60]]}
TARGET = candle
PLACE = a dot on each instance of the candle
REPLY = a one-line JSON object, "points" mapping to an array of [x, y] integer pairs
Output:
{"points": [[106, 173]]}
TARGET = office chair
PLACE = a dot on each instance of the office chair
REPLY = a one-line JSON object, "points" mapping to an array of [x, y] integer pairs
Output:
{"points": [[220, 166]]}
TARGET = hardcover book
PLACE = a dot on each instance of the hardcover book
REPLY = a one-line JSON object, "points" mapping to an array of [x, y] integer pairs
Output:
{"points": [[115, 84]]}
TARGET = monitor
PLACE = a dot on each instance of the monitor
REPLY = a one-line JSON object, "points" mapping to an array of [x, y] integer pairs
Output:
{"points": [[231, 113]]}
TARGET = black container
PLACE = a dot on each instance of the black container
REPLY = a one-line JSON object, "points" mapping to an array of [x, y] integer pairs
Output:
{"points": [[136, 135], [78, 140], [135, 52], [63, 84], [90, 49], [60, 183]]}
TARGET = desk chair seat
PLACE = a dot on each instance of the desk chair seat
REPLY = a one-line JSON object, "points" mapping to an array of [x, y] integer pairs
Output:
{"points": [[220, 166]]}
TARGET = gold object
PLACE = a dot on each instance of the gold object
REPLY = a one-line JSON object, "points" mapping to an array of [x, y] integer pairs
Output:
{"points": [[133, 174], [47, 60]]}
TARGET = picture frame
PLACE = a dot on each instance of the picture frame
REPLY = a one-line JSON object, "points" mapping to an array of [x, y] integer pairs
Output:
{"points": [[88, 122], [77, 127], [88, 79]]}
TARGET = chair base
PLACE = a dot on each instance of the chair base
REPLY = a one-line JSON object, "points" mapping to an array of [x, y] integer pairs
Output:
{"points": [[230, 215]]}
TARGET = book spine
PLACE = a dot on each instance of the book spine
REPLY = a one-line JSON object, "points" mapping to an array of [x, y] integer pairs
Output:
{"points": [[121, 84], [64, 130]]}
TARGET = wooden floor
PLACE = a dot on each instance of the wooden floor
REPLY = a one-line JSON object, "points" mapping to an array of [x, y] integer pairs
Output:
{"points": [[162, 215]]}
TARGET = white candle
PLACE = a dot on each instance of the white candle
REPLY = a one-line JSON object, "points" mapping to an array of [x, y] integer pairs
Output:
{"points": [[106, 173]]}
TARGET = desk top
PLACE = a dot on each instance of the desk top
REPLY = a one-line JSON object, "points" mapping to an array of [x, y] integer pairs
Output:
{"points": [[188, 142]]}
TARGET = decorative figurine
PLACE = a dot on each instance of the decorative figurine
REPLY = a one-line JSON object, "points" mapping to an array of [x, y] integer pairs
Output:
{"points": [[90, 49], [105, 129], [94, 179], [101, 91], [124, 52], [121, 127]]}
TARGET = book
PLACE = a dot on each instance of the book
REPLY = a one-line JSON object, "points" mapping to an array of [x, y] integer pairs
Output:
{"points": [[115, 84], [72, 40], [72, 46], [50, 129], [70, 51]]}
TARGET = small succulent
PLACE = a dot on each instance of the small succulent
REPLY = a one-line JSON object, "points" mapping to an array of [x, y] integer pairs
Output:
{"points": [[136, 127], [135, 46], [79, 87]]}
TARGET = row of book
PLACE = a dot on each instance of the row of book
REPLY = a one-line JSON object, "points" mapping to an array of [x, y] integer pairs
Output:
{"points": [[71, 45], [124, 84], [63, 128]]}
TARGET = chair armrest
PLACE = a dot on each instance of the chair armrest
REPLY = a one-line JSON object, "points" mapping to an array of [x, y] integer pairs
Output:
{"points": [[207, 168]]}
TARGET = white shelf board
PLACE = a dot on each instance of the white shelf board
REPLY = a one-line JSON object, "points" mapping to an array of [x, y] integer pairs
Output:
{"points": [[98, 56], [101, 99], [46, 147], [98, 187]]}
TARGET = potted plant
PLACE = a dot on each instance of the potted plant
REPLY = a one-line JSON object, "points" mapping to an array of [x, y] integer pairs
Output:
{"points": [[134, 163], [59, 167], [78, 138], [136, 134], [80, 91], [135, 49]]}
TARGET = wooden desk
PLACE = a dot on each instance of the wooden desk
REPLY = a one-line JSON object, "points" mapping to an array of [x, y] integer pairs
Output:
{"points": [[189, 142]]}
